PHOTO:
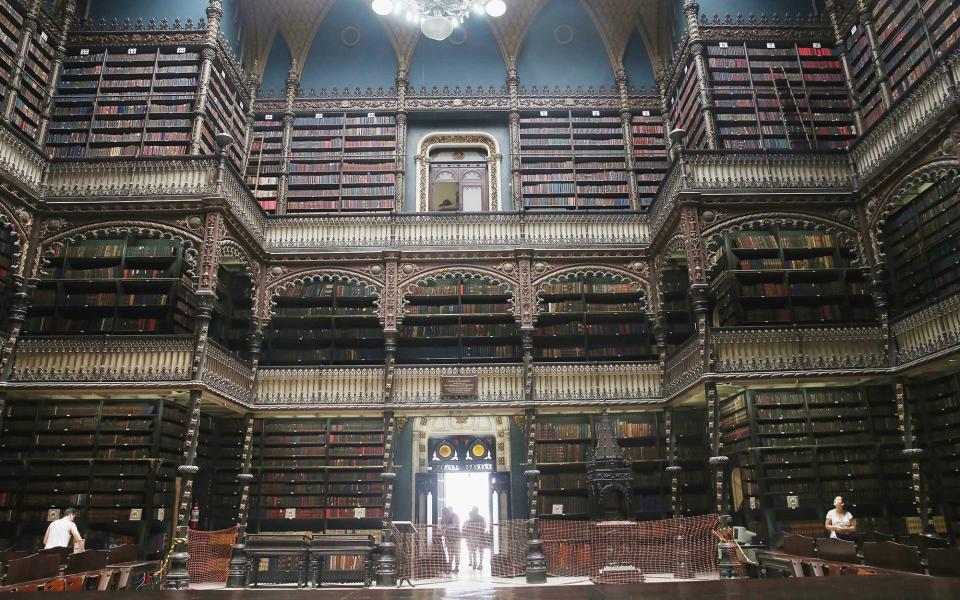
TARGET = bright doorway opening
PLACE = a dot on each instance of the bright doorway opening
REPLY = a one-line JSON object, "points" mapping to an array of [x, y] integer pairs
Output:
{"points": [[462, 492]]}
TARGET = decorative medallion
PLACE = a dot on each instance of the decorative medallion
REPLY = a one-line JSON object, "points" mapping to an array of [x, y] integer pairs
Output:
{"points": [[349, 36], [563, 34]]}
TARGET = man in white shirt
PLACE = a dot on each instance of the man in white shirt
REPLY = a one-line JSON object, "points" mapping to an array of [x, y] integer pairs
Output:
{"points": [[840, 522], [62, 531]]}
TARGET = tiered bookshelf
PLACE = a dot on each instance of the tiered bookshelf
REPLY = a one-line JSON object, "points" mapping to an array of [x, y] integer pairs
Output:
{"points": [[11, 27], [458, 320], [641, 437], [592, 318], [818, 443], [904, 45], [219, 456], [573, 160], [649, 155], [125, 101], [125, 284], [674, 300], [32, 99], [226, 111], [7, 251], [686, 110], [689, 429], [230, 324], [318, 474], [266, 160], [863, 73], [325, 323], [935, 415], [777, 95], [922, 245], [779, 275], [114, 459], [561, 450]]}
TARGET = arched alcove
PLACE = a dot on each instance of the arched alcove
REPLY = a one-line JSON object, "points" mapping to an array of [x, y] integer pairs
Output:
{"points": [[277, 68]]}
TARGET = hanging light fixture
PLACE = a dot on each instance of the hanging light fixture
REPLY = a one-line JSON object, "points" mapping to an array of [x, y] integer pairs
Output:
{"points": [[438, 18]]}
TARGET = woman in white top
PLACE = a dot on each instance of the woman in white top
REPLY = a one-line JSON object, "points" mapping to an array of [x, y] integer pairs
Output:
{"points": [[840, 522]]}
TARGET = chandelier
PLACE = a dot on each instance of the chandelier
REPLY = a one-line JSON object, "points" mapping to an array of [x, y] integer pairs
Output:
{"points": [[438, 18]]}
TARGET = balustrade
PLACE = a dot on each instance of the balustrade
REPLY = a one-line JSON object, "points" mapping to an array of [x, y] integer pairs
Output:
{"points": [[335, 385], [928, 330], [684, 367], [226, 373]]}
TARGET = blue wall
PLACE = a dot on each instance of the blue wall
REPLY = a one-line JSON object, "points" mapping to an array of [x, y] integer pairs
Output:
{"points": [[757, 7], [637, 63], [518, 464], [230, 23], [583, 61], [477, 61], [149, 9], [331, 63], [403, 466], [422, 124], [278, 65]]}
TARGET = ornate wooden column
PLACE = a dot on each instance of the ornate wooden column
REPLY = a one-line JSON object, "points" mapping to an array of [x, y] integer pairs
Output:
{"points": [[69, 11], [914, 455], [387, 564], [22, 283], [250, 120], [839, 42], [697, 269], [717, 460], [29, 28], [626, 122], [400, 164], [209, 51], [692, 9], [176, 576], [293, 83], [238, 555], [536, 560], [866, 18], [672, 469], [525, 305], [516, 182]]}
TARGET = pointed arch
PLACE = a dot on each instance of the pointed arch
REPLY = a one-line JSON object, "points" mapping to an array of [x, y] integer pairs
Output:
{"points": [[441, 273], [512, 29], [306, 276], [574, 272]]}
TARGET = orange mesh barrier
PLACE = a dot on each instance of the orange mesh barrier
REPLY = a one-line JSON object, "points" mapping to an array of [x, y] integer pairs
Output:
{"points": [[625, 552], [438, 552], [210, 554]]}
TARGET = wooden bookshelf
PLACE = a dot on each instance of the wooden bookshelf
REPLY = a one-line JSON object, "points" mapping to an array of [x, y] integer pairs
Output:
{"points": [[903, 43], [592, 318], [863, 73], [336, 162], [922, 245], [317, 474], [573, 160], [219, 456], [695, 491], [231, 322], [7, 251], [31, 102], [110, 458], [226, 111], [562, 444], [641, 438], [11, 28], [125, 284], [777, 95], [458, 320], [125, 101], [686, 109], [675, 309], [935, 412], [649, 155], [325, 323], [817, 443], [779, 275]]}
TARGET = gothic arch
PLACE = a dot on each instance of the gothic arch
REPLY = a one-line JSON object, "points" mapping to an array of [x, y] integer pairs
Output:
{"points": [[878, 213], [674, 244], [251, 268], [313, 275], [617, 273], [473, 139], [187, 240], [438, 274], [713, 236]]}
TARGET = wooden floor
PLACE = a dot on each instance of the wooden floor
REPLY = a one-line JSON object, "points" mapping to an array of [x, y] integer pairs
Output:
{"points": [[812, 588]]}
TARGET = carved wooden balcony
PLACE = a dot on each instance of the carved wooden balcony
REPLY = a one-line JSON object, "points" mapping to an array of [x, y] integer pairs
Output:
{"points": [[929, 331], [227, 374], [421, 385], [610, 383], [19, 160], [684, 367], [103, 358], [322, 386], [805, 350]]}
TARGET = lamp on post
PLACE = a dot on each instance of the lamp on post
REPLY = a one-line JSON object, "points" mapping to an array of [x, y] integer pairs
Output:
{"points": [[536, 560]]}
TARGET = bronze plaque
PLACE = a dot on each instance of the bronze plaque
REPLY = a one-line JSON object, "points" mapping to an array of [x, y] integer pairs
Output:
{"points": [[458, 385]]}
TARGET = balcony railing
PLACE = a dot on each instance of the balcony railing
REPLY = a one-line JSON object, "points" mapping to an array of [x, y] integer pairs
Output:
{"points": [[416, 385], [684, 367], [324, 386], [227, 374], [19, 160], [614, 383], [796, 349], [928, 331], [103, 358]]}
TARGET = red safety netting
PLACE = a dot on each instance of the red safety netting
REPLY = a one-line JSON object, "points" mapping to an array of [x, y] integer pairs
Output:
{"points": [[626, 552], [436, 552], [210, 554]]}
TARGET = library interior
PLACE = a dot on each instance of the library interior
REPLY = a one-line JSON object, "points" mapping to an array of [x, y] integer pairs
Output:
{"points": [[573, 299]]}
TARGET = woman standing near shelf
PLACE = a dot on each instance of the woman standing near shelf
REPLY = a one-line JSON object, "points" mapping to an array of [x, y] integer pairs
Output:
{"points": [[840, 522]]}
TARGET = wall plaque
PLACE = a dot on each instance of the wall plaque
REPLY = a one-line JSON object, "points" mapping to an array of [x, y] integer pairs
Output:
{"points": [[458, 385]]}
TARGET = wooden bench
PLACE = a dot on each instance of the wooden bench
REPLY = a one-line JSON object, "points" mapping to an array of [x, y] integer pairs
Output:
{"points": [[891, 555]]}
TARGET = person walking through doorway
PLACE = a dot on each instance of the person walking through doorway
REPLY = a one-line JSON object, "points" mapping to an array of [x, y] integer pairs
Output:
{"points": [[450, 530], [474, 531]]}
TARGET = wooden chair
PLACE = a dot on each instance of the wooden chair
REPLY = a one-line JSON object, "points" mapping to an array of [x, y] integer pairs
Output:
{"points": [[799, 545], [61, 553], [76, 583], [89, 560], [28, 587], [108, 581], [32, 568], [55, 585], [122, 554], [892, 555], [837, 549], [923, 543], [943, 562], [874, 536]]}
